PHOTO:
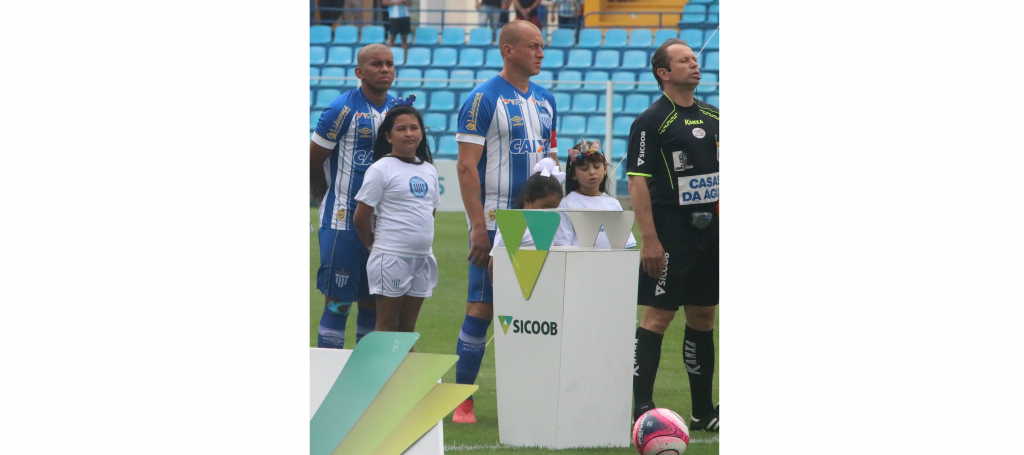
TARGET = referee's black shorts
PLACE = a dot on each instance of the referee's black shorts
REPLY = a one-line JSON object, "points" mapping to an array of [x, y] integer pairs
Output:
{"points": [[399, 26], [690, 276]]}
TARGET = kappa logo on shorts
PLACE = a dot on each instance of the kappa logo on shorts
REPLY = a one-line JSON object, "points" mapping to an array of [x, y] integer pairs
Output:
{"points": [[658, 290]]}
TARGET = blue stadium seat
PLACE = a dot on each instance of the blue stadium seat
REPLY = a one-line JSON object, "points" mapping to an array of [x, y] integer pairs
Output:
{"points": [[314, 117], [372, 34], [445, 57], [706, 88], [453, 121], [324, 97], [408, 73], [435, 73], [640, 38], [310, 97], [397, 53], [584, 103], [661, 35], [442, 100], [647, 77], [431, 139], [712, 100], [418, 56], [425, 36], [573, 126], [332, 71], [693, 14], [317, 55], [618, 151], [693, 37], [393, 93], [319, 34], [569, 80], [421, 97], [606, 59], [471, 58], [579, 58], [711, 38], [634, 60], [543, 76], [492, 59], [589, 38], [462, 74], [710, 61], [624, 76], [563, 38], [596, 76], [602, 103], [480, 36], [713, 14], [553, 59], [314, 72], [596, 126], [485, 74], [621, 125], [346, 34], [447, 146], [636, 103], [616, 38], [497, 34], [453, 36], [352, 82], [563, 101], [339, 55]]}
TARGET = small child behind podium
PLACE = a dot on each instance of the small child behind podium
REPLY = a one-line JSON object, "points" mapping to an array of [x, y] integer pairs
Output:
{"points": [[541, 191], [586, 171]]}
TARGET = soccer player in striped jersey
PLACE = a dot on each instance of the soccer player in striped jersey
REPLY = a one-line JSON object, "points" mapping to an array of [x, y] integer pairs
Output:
{"points": [[340, 151], [505, 127]]}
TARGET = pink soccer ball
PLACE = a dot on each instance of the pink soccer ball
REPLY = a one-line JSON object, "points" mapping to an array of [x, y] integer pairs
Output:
{"points": [[660, 431]]}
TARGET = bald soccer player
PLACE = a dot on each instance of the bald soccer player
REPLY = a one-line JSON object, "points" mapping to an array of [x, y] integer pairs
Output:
{"points": [[340, 151], [506, 125]]}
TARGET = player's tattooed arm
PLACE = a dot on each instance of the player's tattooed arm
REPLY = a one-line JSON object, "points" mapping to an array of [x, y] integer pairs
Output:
{"points": [[317, 180], [362, 222]]}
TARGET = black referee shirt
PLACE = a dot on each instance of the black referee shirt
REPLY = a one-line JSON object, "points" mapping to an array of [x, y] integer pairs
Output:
{"points": [[676, 148]]}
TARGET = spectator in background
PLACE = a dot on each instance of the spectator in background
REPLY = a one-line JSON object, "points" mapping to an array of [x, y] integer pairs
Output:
{"points": [[569, 12], [335, 15], [490, 12], [398, 22], [527, 10]]}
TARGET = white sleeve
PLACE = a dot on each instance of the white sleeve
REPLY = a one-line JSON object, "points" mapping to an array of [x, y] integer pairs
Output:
{"points": [[372, 190], [565, 235]]}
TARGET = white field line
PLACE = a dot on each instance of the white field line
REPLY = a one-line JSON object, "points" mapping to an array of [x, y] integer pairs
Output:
{"points": [[461, 448]]}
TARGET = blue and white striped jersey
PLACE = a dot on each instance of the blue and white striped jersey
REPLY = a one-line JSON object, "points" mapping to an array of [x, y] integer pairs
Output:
{"points": [[348, 127], [399, 10], [516, 129]]}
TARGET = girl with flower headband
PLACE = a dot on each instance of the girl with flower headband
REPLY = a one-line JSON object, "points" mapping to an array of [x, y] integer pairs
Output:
{"points": [[586, 178], [543, 190], [401, 189]]}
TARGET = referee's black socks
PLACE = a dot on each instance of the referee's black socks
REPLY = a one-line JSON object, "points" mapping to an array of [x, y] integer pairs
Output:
{"points": [[646, 357], [699, 358]]}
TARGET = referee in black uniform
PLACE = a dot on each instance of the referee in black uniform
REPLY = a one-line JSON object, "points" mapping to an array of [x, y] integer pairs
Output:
{"points": [[673, 185]]}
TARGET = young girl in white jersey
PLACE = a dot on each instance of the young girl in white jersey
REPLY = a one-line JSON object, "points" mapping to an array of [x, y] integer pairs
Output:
{"points": [[401, 189], [586, 171]]}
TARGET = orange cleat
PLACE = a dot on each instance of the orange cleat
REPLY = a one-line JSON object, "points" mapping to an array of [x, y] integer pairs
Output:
{"points": [[464, 413]]}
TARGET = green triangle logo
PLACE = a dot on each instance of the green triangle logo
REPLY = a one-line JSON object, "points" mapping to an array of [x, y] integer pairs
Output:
{"points": [[527, 263], [512, 226], [543, 226], [505, 321]]}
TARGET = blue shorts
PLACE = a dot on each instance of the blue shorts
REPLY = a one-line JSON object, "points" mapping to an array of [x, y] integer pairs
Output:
{"points": [[480, 281], [342, 273]]}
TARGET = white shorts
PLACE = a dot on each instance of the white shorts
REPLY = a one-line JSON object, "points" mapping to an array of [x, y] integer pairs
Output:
{"points": [[394, 276]]}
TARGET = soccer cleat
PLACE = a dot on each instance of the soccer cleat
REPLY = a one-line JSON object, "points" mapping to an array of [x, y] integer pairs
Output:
{"points": [[708, 423], [640, 410], [464, 413]]}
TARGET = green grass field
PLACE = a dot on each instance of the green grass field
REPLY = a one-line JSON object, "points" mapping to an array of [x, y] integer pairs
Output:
{"points": [[439, 324]]}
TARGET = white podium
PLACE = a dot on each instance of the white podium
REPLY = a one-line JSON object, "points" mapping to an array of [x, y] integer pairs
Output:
{"points": [[564, 357]]}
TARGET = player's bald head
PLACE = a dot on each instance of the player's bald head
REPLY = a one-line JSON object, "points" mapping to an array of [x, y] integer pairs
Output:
{"points": [[514, 32], [368, 52]]}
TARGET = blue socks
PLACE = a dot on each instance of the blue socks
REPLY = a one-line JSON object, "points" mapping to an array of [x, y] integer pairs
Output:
{"points": [[331, 333], [366, 321], [470, 349]]}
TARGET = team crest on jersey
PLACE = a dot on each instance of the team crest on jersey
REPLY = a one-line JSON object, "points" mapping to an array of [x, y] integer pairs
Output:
{"points": [[545, 114], [341, 278], [492, 215], [679, 159], [341, 214], [418, 187], [365, 132], [336, 126]]}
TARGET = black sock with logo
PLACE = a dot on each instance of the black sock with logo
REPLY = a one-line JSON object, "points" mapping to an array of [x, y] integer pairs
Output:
{"points": [[699, 359], [646, 358]]}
